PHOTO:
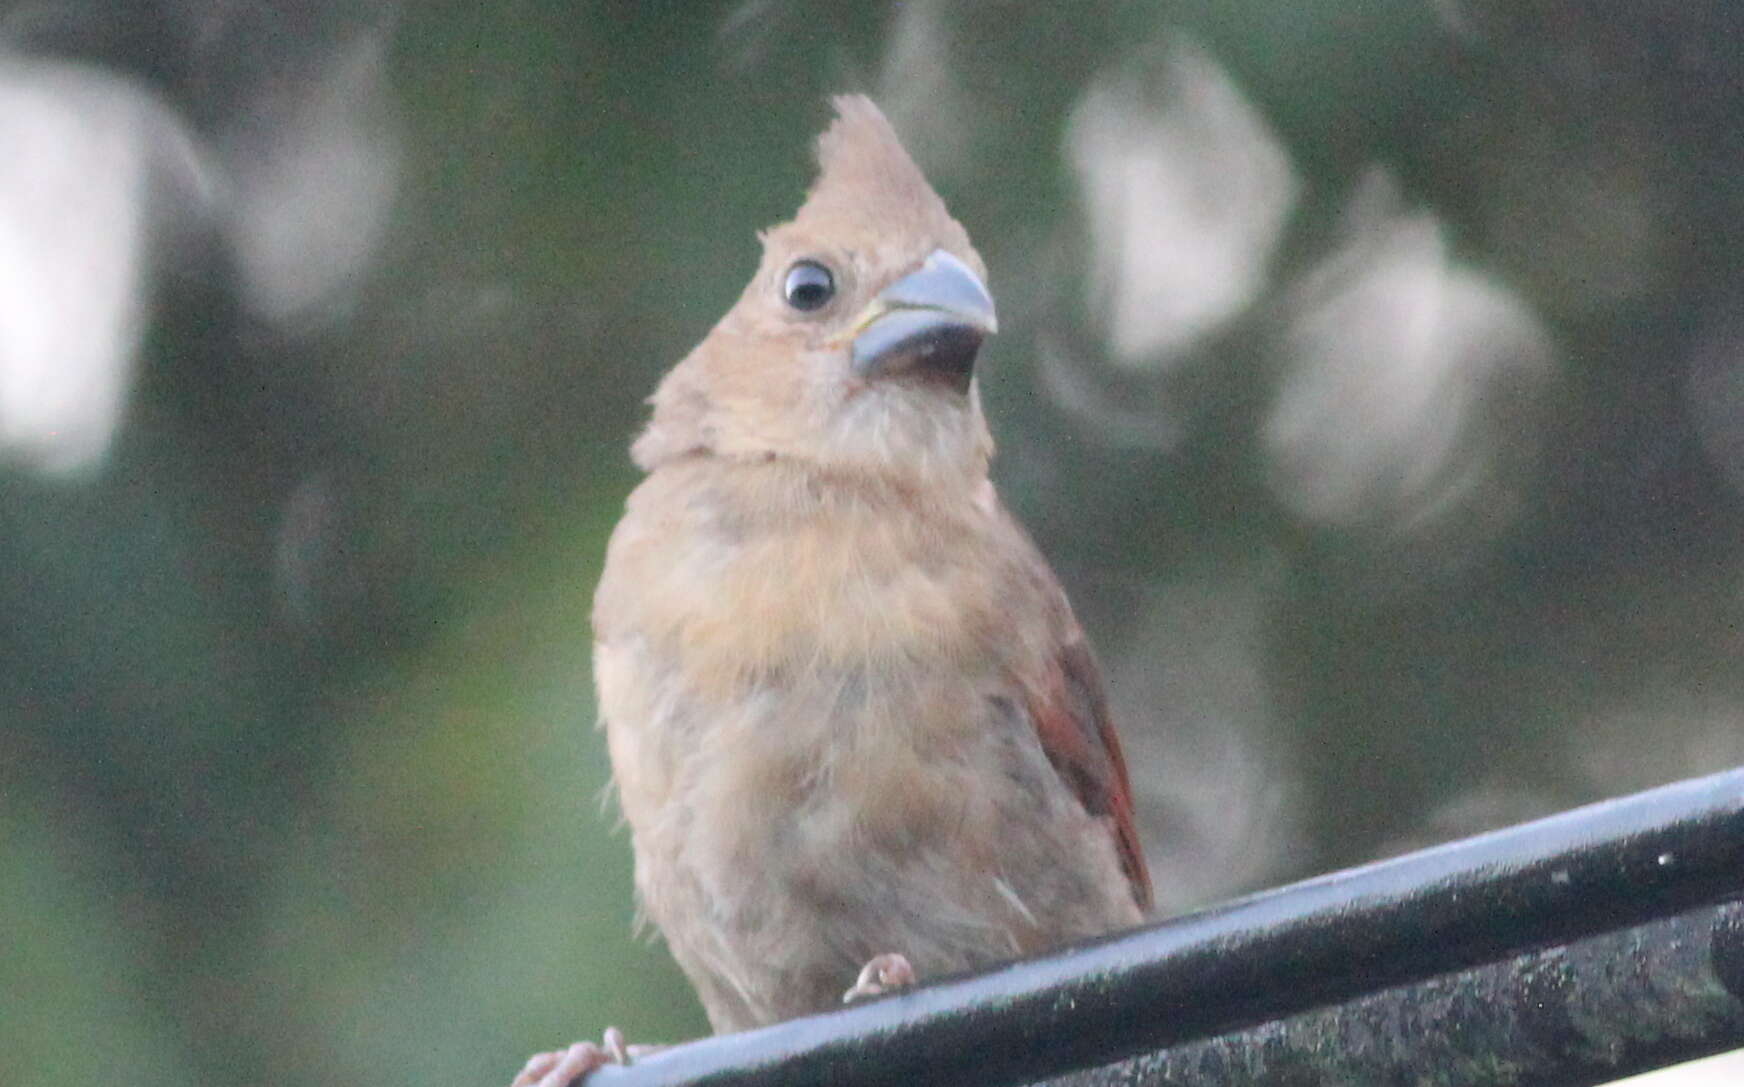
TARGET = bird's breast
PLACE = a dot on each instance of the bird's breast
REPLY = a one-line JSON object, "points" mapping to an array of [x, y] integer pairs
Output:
{"points": [[762, 649], [748, 586]]}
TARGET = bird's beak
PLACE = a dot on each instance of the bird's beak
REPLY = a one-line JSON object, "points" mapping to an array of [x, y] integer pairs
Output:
{"points": [[931, 322]]}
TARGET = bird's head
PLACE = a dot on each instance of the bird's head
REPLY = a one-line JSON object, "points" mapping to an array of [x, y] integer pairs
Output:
{"points": [[853, 347]]}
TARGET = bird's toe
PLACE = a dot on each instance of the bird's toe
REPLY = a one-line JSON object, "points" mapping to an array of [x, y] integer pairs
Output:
{"points": [[880, 975], [562, 1067]]}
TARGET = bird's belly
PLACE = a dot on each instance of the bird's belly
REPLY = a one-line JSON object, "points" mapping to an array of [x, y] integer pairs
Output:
{"points": [[795, 833], [799, 834]]}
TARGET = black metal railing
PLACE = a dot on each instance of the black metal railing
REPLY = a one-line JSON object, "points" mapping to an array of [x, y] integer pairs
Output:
{"points": [[1570, 950]]}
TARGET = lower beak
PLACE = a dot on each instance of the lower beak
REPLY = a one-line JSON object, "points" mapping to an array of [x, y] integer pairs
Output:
{"points": [[929, 323]]}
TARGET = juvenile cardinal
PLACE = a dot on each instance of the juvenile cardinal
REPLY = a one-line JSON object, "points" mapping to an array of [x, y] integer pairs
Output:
{"points": [[856, 732]]}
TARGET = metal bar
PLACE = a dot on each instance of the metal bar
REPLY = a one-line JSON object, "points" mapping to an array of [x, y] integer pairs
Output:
{"points": [[1597, 869], [1574, 1015]]}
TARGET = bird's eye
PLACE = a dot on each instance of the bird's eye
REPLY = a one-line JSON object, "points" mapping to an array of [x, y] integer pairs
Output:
{"points": [[808, 286]]}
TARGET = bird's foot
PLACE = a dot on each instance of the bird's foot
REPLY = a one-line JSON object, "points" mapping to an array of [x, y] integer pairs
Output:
{"points": [[562, 1067], [881, 974]]}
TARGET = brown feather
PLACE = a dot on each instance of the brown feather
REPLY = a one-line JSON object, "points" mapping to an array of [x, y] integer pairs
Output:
{"points": [[1078, 735]]}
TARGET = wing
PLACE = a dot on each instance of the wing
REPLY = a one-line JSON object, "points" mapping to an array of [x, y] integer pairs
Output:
{"points": [[1071, 717]]}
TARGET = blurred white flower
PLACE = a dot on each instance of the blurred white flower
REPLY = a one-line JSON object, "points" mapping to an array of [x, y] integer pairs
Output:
{"points": [[317, 165], [1216, 801], [918, 87], [1408, 393], [1714, 390], [1186, 191], [96, 174]]}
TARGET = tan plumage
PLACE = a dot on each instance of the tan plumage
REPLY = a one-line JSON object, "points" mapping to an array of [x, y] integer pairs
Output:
{"points": [[848, 708], [761, 383]]}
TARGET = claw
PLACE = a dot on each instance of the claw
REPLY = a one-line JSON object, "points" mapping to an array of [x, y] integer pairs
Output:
{"points": [[881, 974], [614, 1045], [563, 1067]]}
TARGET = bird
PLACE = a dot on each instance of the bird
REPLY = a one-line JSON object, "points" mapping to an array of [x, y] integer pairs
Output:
{"points": [[856, 732]]}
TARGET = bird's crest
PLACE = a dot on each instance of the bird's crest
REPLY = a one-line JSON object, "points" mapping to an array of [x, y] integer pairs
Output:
{"points": [[865, 175]]}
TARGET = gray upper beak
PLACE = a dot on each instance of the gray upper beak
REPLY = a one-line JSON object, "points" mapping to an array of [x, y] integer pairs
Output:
{"points": [[930, 322]]}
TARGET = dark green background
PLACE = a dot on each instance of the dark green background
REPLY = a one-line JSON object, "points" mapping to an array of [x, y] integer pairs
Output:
{"points": [[298, 778]]}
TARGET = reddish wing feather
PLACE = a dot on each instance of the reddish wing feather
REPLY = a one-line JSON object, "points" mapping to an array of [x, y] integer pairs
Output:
{"points": [[1071, 717]]}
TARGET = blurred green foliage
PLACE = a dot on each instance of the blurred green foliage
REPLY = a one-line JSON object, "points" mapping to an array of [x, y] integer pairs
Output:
{"points": [[298, 775]]}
